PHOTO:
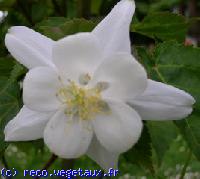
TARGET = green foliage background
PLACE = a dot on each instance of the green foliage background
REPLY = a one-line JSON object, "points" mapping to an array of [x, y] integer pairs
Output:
{"points": [[166, 149]]}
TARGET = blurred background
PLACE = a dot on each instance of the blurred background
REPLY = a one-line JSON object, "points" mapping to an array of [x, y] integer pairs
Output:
{"points": [[155, 22], [32, 12]]}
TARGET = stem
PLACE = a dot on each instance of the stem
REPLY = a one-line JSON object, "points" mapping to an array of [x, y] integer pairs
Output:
{"points": [[67, 164], [101, 176], [5, 162], [6, 165], [186, 165], [49, 163]]}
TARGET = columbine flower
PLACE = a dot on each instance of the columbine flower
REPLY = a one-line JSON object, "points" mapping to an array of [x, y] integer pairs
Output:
{"points": [[79, 90]]}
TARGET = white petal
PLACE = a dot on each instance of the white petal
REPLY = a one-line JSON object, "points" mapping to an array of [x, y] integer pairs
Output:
{"points": [[125, 77], [27, 125], [113, 31], [101, 156], [76, 55], [162, 102], [119, 130], [67, 138], [40, 87], [29, 47]]}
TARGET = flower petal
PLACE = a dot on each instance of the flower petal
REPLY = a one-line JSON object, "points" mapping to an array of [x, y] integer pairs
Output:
{"points": [[76, 55], [162, 102], [27, 125], [101, 156], [67, 138], [125, 77], [113, 31], [40, 87], [29, 47], [119, 130]]}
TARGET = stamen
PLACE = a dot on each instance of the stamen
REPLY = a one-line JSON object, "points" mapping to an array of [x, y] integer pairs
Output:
{"points": [[84, 79], [101, 86], [81, 101]]}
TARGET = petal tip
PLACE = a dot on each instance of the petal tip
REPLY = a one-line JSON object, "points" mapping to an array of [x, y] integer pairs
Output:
{"points": [[187, 113], [8, 39], [189, 99], [193, 101], [131, 3], [9, 132], [14, 29], [8, 135], [7, 138], [11, 29], [126, 5]]}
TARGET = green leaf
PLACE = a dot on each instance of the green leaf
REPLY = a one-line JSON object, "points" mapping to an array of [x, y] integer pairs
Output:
{"points": [[141, 153], [163, 4], [179, 65], [144, 57], [162, 135], [52, 22], [57, 28], [25, 147], [163, 26], [6, 66], [10, 101], [189, 128]]}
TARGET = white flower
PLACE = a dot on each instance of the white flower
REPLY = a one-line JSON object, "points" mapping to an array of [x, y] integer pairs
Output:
{"points": [[77, 90]]}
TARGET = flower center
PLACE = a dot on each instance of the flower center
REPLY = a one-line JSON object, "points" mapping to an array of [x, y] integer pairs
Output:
{"points": [[81, 101]]}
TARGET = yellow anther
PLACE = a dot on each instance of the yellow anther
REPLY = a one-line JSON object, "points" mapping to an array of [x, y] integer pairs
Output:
{"points": [[81, 101]]}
